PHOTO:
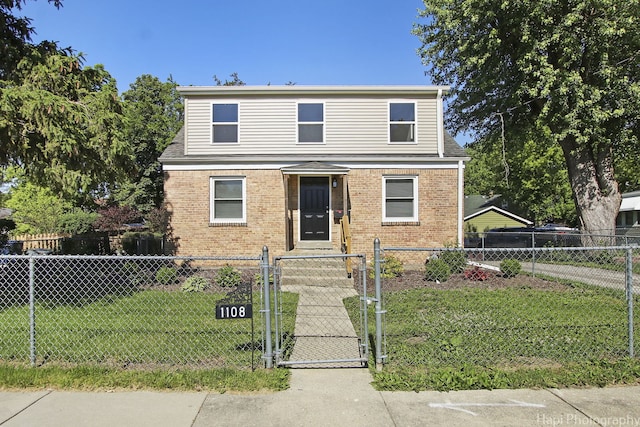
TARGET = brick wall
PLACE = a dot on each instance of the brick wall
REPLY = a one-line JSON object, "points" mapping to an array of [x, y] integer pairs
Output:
{"points": [[437, 214], [187, 196]]}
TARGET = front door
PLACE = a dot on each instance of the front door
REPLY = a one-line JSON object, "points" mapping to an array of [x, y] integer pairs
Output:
{"points": [[314, 208]]}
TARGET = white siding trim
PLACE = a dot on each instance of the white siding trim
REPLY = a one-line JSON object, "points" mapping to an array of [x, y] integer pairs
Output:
{"points": [[440, 123], [271, 166], [460, 203]]}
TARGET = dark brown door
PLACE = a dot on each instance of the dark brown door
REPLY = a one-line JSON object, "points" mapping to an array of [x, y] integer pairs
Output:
{"points": [[314, 208]]}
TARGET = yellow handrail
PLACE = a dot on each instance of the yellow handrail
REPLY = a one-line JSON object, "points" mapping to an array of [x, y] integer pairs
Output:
{"points": [[345, 238]]}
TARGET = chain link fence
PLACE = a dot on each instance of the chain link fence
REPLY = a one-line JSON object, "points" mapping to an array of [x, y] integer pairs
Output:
{"points": [[329, 326], [131, 311], [509, 307]]}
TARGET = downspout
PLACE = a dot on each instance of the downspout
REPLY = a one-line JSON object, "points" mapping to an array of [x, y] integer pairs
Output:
{"points": [[287, 236], [440, 123], [460, 203]]}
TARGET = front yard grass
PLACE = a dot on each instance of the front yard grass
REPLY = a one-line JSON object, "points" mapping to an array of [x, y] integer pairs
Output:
{"points": [[148, 339], [476, 337]]}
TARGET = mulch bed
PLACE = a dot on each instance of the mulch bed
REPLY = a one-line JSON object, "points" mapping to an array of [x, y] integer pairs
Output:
{"points": [[413, 279]]}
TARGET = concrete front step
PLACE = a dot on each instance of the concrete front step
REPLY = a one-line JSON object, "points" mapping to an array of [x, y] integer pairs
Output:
{"points": [[315, 271], [316, 281]]}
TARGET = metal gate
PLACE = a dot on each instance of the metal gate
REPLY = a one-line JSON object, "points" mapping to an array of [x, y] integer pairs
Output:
{"points": [[329, 327]]}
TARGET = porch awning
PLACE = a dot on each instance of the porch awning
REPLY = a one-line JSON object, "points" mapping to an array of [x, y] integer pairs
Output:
{"points": [[315, 168]]}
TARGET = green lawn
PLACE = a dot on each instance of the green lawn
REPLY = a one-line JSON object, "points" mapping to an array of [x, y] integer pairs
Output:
{"points": [[152, 331], [479, 338]]}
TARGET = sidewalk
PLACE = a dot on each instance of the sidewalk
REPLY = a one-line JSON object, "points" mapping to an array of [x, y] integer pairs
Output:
{"points": [[325, 397]]}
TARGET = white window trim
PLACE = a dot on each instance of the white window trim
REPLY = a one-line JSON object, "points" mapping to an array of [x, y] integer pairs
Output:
{"points": [[212, 123], [212, 219], [323, 122], [413, 218], [414, 122]]}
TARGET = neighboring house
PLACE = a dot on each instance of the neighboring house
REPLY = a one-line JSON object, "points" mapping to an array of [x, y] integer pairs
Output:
{"points": [[629, 215], [282, 166], [482, 213]]}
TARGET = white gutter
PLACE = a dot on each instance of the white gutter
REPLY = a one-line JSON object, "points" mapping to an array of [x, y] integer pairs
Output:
{"points": [[460, 203], [440, 123]]}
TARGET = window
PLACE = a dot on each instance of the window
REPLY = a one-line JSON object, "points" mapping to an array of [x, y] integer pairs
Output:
{"points": [[228, 200], [310, 122], [400, 195], [402, 122], [225, 123]]}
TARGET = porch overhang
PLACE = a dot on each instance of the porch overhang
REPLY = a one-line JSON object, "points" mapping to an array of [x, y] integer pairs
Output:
{"points": [[315, 168]]}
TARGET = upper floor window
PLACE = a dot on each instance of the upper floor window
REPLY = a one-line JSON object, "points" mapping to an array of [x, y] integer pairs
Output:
{"points": [[310, 122], [225, 123], [402, 122], [228, 202], [400, 198]]}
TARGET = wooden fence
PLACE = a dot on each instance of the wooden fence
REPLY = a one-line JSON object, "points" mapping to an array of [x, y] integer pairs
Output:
{"points": [[50, 241]]}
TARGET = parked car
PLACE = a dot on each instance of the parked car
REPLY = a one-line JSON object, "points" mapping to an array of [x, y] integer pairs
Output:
{"points": [[527, 237], [11, 247]]}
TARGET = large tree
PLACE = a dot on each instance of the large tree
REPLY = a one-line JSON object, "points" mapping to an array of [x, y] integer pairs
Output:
{"points": [[531, 177], [59, 120], [154, 113], [569, 67]]}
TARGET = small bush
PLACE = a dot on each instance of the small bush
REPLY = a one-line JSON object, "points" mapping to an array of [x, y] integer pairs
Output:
{"points": [[390, 267], [456, 260], [195, 284], [166, 276], [437, 270], [257, 279], [135, 274], [228, 277], [510, 267]]}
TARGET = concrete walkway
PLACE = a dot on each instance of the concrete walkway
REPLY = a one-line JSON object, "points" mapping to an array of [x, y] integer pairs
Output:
{"points": [[325, 397], [324, 334]]}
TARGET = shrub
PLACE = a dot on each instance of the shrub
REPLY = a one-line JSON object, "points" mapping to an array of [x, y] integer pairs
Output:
{"points": [[510, 267], [390, 267], [437, 270], [228, 277], [195, 284], [258, 279], [455, 259], [77, 221], [166, 275]]}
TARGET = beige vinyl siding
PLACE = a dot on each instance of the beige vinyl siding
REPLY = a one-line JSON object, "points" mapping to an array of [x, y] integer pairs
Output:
{"points": [[198, 132], [269, 126], [427, 112]]}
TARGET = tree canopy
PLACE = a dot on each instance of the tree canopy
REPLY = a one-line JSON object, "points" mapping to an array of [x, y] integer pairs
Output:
{"points": [[59, 120], [154, 114], [566, 69]]}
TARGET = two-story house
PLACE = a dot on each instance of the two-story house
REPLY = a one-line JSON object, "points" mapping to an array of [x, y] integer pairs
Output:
{"points": [[287, 166]]}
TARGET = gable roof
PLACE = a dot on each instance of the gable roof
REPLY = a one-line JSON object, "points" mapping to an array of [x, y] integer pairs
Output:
{"points": [[500, 211], [476, 205]]}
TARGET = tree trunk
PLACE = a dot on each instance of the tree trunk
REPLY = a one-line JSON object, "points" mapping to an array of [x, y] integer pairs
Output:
{"points": [[595, 190]]}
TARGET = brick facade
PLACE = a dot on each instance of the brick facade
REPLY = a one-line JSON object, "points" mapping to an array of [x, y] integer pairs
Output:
{"points": [[270, 218]]}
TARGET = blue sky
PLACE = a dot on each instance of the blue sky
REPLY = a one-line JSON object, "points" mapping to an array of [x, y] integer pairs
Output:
{"points": [[319, 42]]}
